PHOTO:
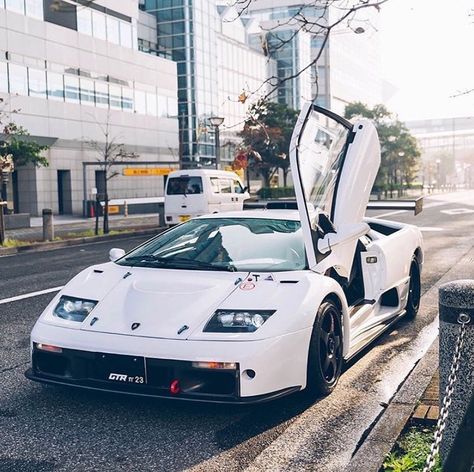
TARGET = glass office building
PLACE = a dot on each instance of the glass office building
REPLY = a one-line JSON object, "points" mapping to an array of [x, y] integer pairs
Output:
{"points": [[215, 63], [187, 29]]}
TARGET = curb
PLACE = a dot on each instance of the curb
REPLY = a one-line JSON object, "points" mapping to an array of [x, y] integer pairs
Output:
{"points": [[387, 428], [371, 455], [51, 245]]}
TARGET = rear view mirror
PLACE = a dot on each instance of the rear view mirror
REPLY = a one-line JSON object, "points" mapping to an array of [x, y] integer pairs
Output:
{"points": [[116, 253]]}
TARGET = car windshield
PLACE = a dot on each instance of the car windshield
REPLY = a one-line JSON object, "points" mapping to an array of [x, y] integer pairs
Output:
{"points": [[237, 244]]}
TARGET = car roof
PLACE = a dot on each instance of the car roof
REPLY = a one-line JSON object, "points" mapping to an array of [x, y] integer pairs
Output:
{"points": [[260, 213], [201, 172]]}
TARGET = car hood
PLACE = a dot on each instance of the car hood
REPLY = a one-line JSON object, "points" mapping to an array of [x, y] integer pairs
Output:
{"points": [[156, 302]]}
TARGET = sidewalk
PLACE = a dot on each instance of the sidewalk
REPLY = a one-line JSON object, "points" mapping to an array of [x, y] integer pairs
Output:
{"points": [[69, 225], [417, 400]]}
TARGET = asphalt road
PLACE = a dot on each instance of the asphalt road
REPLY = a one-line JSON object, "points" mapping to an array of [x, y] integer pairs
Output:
{"points": [[59, 429]]}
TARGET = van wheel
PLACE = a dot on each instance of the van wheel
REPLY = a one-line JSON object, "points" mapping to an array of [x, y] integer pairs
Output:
{"points": [[325, 351], [414, 290]]}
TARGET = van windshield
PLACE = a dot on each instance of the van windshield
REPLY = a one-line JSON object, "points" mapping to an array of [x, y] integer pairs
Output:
{"points": [[241, 244], [184, 185]]}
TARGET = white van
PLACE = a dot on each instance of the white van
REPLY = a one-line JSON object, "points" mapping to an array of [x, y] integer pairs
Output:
{"points": [[197, 192]]}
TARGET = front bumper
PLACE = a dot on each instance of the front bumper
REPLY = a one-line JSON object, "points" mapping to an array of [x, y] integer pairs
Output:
{"points": [[279, 364], [92, 370]]}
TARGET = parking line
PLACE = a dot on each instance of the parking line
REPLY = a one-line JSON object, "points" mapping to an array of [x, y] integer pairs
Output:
{"points": [[30, 295]]}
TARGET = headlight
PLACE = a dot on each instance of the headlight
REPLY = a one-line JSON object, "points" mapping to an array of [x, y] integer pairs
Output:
{"points": [[74, 309], [237, 321]]}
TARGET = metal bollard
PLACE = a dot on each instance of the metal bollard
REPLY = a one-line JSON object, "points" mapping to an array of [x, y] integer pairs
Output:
{"points": [[456, 339], [48, 225]]}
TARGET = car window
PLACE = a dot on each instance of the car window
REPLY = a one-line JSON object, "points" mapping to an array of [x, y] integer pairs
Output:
{"points": [[184, 185], [245, 244], [215, 185], [321, 148], [226, 185], [237, 187]]}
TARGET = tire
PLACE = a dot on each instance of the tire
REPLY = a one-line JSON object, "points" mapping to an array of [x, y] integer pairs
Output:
{"points": [[414, 290], [325, 351]]}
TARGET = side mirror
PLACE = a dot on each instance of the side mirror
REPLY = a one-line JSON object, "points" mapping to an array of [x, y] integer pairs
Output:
{"points": [[116, 253]]}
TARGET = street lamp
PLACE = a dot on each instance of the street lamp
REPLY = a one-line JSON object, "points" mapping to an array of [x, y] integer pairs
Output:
{"points": [[217, 121]]}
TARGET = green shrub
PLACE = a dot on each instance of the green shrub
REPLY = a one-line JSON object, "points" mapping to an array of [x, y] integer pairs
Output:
{"points": [[269, 193], [411, 451]]}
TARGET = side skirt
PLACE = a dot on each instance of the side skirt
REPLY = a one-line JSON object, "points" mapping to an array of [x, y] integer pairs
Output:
{"points": [[373, 334]]}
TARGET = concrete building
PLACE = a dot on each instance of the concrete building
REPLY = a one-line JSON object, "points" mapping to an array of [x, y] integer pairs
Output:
{"points": [[69, 69]]}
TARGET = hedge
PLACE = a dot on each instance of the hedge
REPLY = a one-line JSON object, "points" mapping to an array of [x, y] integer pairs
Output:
{"points": [[276, 192]]}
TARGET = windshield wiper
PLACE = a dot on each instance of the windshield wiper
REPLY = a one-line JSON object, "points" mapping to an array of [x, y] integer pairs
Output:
{"points": [[179, 262], [190, 263]]}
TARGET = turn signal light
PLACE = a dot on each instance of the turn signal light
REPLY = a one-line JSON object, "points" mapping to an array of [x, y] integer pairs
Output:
{"points": [[48, 347], [215, 365]]}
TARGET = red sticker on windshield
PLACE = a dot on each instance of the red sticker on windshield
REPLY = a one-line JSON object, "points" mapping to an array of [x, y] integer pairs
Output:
{"points": [[247, 286]]}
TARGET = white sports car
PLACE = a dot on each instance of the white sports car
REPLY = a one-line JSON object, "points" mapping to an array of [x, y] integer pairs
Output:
{"points": [[247, 306]]}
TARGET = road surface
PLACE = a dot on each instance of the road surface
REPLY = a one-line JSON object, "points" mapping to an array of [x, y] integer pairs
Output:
{"points": [[60, 429]]}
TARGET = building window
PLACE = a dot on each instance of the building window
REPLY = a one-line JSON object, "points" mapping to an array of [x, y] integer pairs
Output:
{"points": [[55, 86], [87, 92], [98, 25], [151, 108], [84, 21], [37, 83], [127, 99], [115, 94], [71, 89], [140, 102], [34, 8], [60, 13], [102, 95], [18, 79], [17, 6], [126, 34], [113, 31]]}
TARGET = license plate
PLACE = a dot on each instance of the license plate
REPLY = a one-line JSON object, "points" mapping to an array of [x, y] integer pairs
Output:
{"points": [[121, 369], [184, 217]]}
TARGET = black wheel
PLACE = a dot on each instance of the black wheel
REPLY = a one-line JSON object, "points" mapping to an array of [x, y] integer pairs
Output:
{"points": [[325, 351], [414, 290]]}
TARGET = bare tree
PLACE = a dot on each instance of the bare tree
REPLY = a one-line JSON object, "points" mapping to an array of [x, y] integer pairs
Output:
{"points": [[111, 152], [311, 17]]}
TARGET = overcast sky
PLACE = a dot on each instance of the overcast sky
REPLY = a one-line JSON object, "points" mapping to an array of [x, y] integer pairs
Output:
{"points": [[428, 55]]}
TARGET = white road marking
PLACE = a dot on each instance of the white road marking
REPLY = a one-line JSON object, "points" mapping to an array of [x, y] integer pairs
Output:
{"points": [[429, 228], [391, 213], [30, 295], [458, 211]]}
